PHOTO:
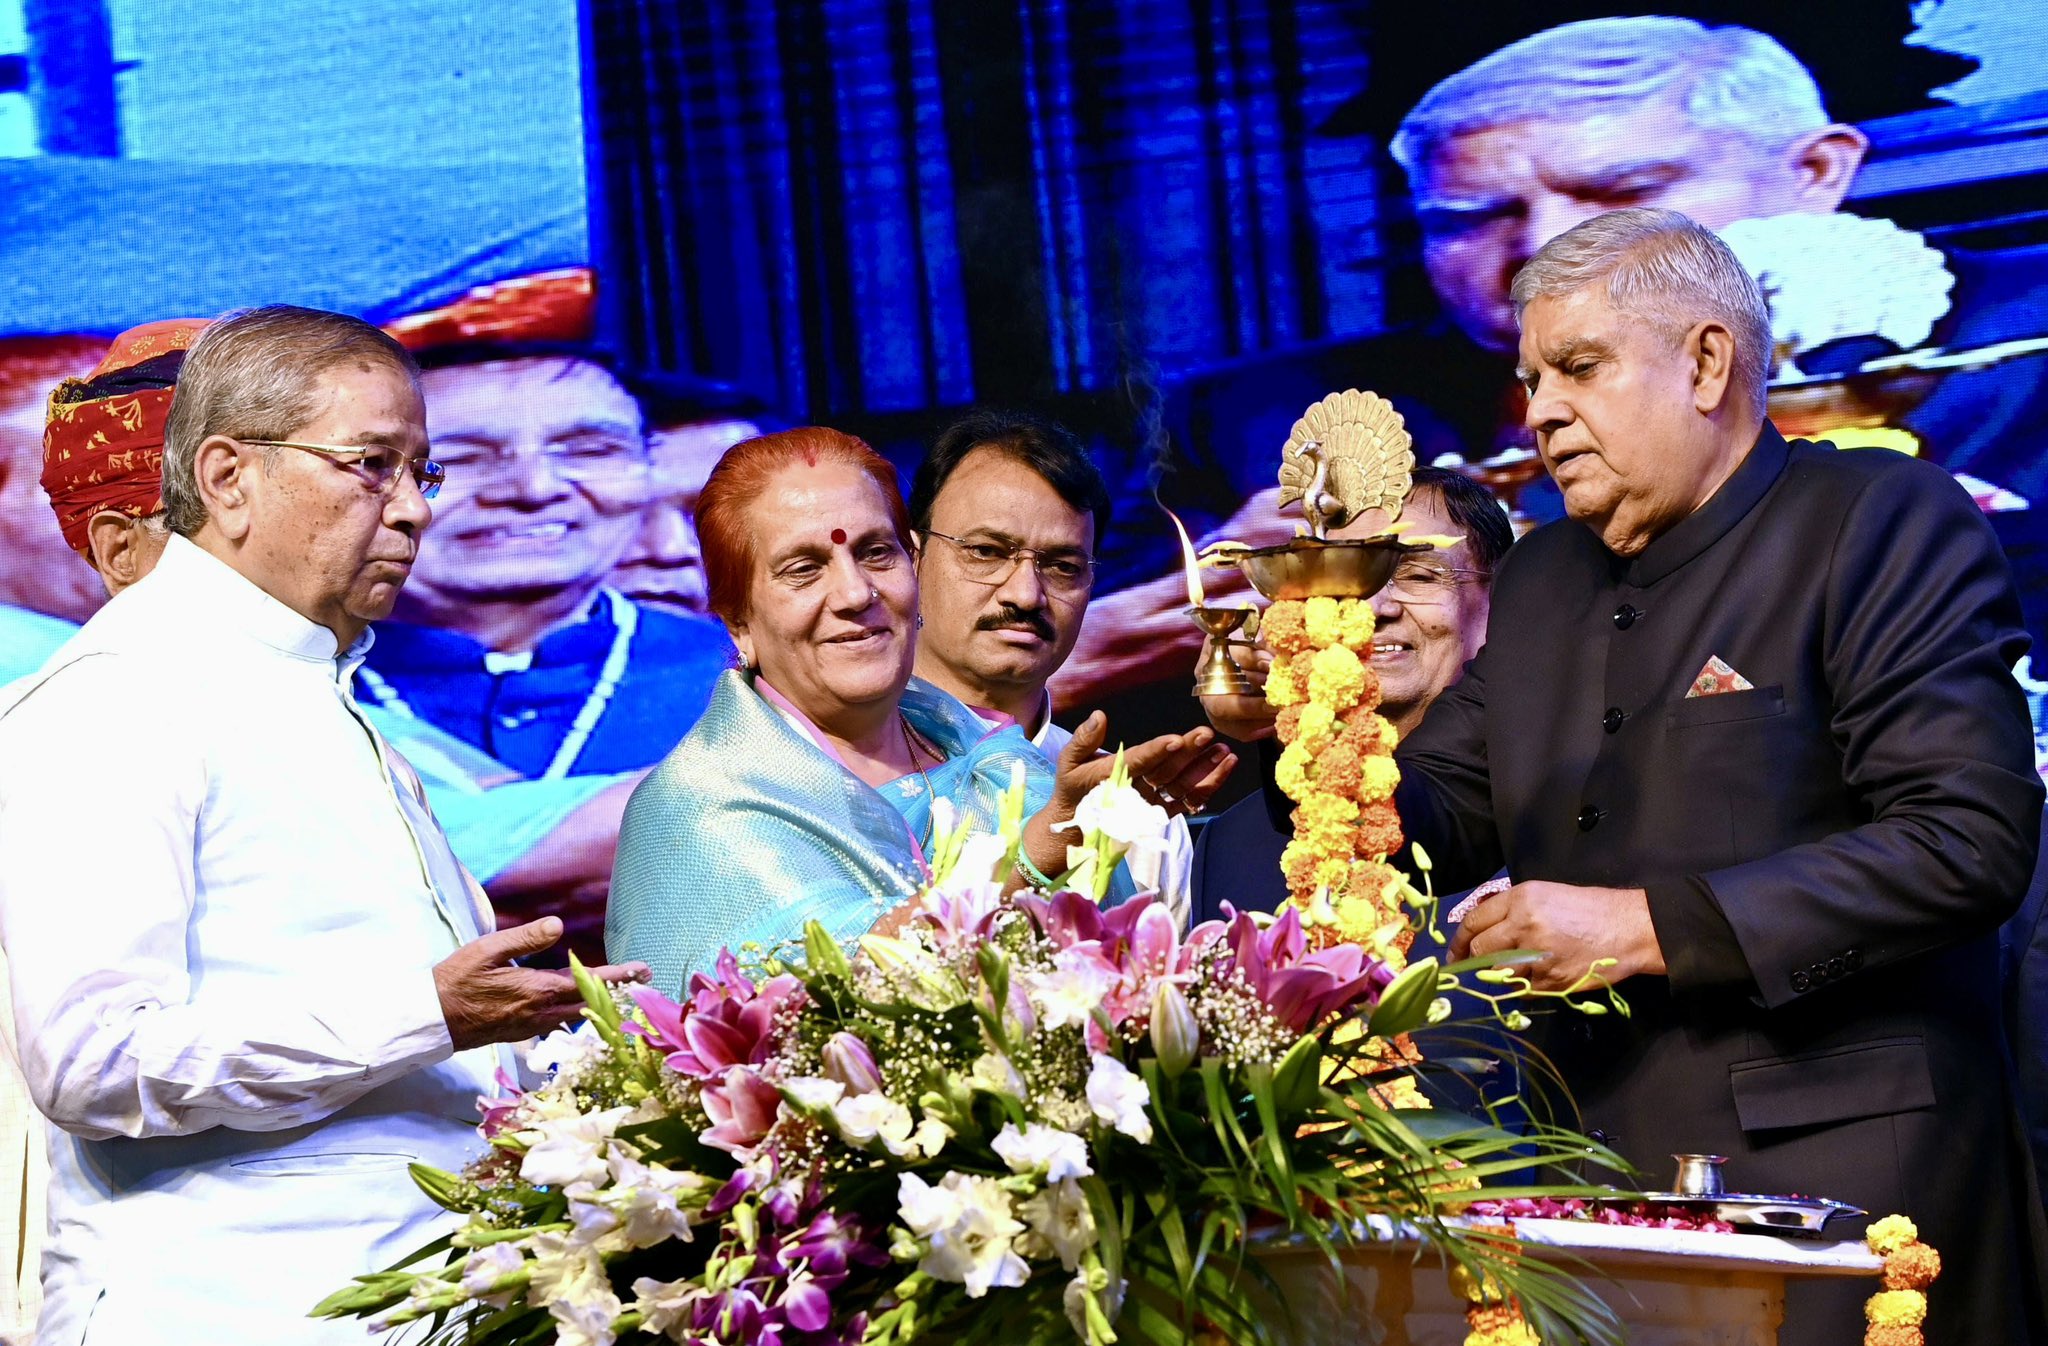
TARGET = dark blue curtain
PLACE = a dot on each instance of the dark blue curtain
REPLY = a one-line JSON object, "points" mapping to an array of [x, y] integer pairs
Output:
{"points": [[864, 208]]}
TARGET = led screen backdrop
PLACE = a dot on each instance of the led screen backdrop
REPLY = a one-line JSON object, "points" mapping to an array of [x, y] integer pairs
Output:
{"points": [[1170, 224]]}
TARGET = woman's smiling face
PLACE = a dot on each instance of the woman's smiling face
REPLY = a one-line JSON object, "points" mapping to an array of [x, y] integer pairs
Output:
{"points": [[832, 601]]}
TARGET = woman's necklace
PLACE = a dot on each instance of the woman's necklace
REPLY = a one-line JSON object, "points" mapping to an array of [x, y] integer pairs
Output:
{"points": [[910, 743], [625, 621]]}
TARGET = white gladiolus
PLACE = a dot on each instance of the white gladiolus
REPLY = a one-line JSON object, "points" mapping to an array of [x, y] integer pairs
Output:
{"points": [[994, 1074], [484, 1268], [571, 1149], [968, 1226], [664, 1306], [569, 1281], [1054, 1155], [1118, 1097], [864, 1117], [644, 1196], [1059, 1222], [1123, 815]]}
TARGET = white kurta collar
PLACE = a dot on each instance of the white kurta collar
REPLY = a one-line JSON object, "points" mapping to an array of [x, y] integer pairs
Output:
{"points": [[228, 597]]}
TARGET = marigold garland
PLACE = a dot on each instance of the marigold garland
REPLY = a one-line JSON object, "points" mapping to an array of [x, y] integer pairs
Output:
{"points": [[1336, 763], [1491, 1317], [1898, 1313]]}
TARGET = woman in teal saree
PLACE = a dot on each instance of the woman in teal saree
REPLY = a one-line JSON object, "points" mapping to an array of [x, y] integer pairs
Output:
{"points": [[806, 790]]}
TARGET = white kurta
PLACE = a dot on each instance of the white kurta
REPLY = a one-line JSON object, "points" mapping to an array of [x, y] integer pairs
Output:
{"points": [[221, 911]]}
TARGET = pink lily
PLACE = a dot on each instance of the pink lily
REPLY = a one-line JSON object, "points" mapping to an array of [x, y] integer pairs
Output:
{"points": [[498, 1111], [1302, 989], [742, 1107]]}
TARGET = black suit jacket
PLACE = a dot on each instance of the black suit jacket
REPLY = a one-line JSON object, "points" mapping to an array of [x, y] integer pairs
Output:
{"points": [[1827, 854]]}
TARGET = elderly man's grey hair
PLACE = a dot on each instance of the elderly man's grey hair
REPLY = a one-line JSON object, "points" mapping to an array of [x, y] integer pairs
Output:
{"points": [[255, 374], [1728, 79], [1661, 268]]}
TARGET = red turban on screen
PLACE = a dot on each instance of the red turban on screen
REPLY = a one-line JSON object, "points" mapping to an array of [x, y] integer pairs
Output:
{"points": [[103, 444]]}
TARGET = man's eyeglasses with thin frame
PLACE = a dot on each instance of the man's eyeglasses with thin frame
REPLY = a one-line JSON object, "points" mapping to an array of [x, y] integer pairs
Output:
{"points": [[380, 468], [987, 561], [1415, 582]]}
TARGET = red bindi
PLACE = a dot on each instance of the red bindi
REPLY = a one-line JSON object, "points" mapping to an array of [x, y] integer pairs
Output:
{"points": [[839, 537]]}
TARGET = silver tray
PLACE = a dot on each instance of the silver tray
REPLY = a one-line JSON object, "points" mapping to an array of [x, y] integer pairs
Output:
{"points": [[1765, 1214]]}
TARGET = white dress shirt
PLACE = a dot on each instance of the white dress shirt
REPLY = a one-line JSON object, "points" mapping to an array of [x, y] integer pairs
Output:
{"points": [[221, 910], [1169, 873]]}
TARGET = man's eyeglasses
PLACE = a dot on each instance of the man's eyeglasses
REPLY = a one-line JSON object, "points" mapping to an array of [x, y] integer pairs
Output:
{"points": [[1417, 582], [602, 462], [379, 468], [986, 561]]}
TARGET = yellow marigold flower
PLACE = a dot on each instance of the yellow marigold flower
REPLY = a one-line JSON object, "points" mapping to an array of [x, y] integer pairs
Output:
{"points": [[1355, 622], [1331, 873], [1476, 1287], [1377, 778], [1283, 682], [1885, 1237], [1318, 724], [1290, 773], [1892, 1336], [1896, 1308], [1390, 737], [1912, 1267], [1322, 808], [1283, 629], [1319, 616], [1335, 678]]}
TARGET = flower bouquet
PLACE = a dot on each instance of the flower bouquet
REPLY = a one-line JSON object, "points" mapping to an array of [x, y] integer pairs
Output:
{"points": [[1028, 1119]]}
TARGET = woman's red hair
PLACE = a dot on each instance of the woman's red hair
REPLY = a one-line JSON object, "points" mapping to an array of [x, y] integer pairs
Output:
{"points": [[723, 526]]}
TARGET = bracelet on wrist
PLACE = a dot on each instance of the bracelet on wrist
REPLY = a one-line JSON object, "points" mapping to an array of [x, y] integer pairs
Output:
{"points": [[1031, 872]]}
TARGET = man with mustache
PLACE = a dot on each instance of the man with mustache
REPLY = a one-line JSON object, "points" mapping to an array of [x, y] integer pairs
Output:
{"points": [[291, 989], [1008, 510]]}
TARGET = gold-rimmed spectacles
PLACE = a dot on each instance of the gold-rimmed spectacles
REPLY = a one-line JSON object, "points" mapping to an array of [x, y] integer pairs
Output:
{"points": [[379, 467]]}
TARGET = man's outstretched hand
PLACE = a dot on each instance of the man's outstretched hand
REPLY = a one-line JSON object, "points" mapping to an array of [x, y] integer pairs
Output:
{"points": [[486, 998]]}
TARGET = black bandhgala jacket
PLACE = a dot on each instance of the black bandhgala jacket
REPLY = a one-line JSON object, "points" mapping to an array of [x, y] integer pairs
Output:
{"points": [[1827, 854]]}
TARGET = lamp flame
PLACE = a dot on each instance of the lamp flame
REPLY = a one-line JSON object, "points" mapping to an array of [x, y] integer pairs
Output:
{"points": [[1193, 565]]}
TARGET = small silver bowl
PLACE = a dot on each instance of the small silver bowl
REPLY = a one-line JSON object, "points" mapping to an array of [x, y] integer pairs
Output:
{"points": [[1699, 1175], [1311, 568]]}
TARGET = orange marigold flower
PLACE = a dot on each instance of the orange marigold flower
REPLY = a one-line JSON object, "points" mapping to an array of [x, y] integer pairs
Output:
{"points": [[1288, 722], [1912, 1267], [1339, 770], [1379, 833], [1283, 628]]}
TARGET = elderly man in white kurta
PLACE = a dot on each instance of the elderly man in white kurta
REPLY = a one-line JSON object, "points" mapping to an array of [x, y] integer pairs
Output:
{"points": [[251, 983]]}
